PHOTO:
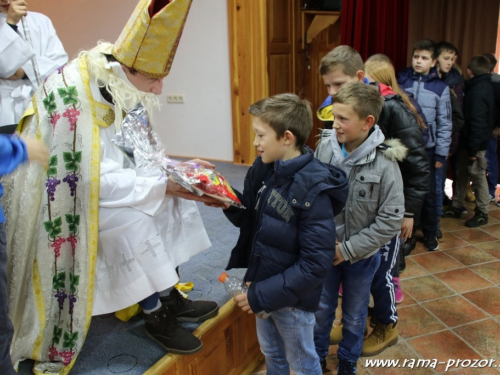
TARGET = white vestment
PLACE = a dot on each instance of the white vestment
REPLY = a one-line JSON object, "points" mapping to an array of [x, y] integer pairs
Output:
{"points": [[143, 233], [15, 53]]}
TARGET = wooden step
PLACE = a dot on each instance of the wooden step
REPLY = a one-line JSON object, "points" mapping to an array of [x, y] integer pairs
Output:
{"points": [[230, 346]]}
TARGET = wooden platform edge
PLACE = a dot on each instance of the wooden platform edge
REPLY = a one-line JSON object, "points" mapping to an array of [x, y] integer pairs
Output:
{"points": [[230, 346]]}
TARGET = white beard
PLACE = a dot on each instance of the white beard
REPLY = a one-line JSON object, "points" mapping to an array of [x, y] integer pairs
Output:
{"points": [[113, 78]]}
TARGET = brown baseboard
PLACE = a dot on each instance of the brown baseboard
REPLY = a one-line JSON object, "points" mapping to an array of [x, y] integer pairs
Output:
{"points": [[230, 346]]}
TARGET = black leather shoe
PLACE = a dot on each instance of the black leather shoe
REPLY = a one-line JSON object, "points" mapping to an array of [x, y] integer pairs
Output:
{"points": [[409, 245], [162, 327], [186, 310]]}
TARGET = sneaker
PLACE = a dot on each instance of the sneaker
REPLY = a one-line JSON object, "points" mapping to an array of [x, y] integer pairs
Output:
{"points": [[477, 220], [439, 234], [186, 310], [492, 198], [402, 263], [431, 244], [162, 327], [341, 291], [409, 245], [346, 367], [382, 337], [451, 211], [398, 292]]}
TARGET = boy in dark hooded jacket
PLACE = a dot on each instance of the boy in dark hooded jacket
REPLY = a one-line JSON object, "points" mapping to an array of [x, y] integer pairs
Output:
{"points": [[287, 237]]}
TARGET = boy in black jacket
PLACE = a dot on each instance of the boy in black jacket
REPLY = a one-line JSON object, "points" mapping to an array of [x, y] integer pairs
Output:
{"points": [[287, 237], [478, 113]]}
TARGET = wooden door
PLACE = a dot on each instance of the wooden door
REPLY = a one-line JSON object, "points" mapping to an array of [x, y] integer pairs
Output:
{"points": [[280, 46]]}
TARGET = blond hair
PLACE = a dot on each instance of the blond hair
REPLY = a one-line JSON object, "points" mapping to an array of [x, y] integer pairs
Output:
{"points": [[364, 99], [284, 112], [342, 57], [382, 71]]}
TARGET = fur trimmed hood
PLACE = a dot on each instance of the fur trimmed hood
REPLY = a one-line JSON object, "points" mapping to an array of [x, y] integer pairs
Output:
{"points": [[394, 149]]}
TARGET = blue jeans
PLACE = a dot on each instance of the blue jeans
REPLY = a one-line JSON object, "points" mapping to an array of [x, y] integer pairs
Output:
{"points": [[286, 339], [492, 165], [428, 215], [382, 286], [356, 279], [6, 328], [440, 179]]}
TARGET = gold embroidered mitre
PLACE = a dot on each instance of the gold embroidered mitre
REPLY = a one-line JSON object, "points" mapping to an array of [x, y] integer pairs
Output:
{"points": [[149, 40]]}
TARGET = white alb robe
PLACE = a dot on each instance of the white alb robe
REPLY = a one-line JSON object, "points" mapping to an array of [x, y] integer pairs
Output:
{"points": [[143, 233], [15, 53]]}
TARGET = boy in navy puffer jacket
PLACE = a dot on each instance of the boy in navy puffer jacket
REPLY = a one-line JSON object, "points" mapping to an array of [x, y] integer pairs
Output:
{"points": [[287, 236], [13, 152], [422, 81]]}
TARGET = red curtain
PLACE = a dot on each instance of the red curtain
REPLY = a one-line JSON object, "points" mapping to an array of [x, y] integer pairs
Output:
{"points": [[376, 26]]}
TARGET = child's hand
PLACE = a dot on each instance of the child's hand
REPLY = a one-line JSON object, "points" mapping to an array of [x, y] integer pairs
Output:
{"points": [[242, 301], [338, 256], [37, 151]]}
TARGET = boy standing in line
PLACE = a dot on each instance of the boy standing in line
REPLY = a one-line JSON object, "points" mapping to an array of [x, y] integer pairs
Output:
{"points": [[422, 81], [13, 152], [287, 237], [372, 218], [479, 104]]}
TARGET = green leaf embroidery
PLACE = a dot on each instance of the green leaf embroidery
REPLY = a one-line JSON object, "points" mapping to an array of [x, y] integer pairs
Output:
{"points": [[53, 228], [73, 222], [56, 335], [58, 280], [72, 160], [52, 166], [69, 95], [70, 339], [50, 102], [74, 281]]}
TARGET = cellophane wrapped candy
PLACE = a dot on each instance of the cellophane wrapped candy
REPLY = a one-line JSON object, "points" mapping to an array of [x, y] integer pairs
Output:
{"points": [[142, 146]]}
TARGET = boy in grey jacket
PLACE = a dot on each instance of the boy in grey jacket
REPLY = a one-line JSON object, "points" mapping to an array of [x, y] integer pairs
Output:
{"points": [[371, 219]]}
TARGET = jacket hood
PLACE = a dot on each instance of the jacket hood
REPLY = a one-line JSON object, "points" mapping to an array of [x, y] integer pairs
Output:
{"points": [[409, 73], [312, 177], [364, 154], [324, 111], [385, 90]]}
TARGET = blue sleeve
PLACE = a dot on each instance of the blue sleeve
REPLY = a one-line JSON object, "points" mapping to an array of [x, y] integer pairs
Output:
{"points": [[12, 153], [443, 124]]}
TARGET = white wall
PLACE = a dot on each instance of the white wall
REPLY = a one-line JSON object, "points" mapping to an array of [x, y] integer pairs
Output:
{"points": [[201, 126]]}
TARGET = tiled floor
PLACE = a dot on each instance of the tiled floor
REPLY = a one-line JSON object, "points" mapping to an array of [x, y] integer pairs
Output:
{"points": [[451, 306]]}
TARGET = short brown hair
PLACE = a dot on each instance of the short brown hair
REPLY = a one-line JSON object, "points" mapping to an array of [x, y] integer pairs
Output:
{"points": [[426, 45], [479, 65], [364, 99], [285, 112], [343, 57]]}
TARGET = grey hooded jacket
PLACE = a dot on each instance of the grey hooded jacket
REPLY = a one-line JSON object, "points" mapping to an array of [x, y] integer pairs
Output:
{"points": [[375, 206]]}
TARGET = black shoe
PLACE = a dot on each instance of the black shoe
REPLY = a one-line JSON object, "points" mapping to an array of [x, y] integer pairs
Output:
{"points": [[186, 310], [346, 368], [477, 220], [431, 244], [402, 263], [409, 245], [451, 211], [162, 327], [439, 234]]}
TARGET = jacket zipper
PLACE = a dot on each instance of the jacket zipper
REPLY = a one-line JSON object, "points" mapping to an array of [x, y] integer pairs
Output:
{"points": [[418, 88]]}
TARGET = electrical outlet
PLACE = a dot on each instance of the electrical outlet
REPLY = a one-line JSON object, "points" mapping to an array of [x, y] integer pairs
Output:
{"points": [[175, 98]]}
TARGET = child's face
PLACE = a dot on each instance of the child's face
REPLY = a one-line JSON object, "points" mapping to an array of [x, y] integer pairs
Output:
{"points": [[351, 130], [269, 147], [422, 61], [445, 61], [335, 79]]}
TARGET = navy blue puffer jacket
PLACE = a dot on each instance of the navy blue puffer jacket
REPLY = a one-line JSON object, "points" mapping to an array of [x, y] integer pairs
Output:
{"points": [[287, 236]]}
